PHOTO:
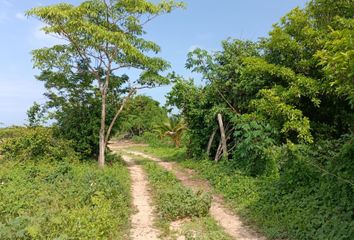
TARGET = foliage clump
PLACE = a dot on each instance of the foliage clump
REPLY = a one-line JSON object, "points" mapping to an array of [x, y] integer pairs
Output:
{"points": [[37, 144], [141, 115], [293, 87], [10, 132]]}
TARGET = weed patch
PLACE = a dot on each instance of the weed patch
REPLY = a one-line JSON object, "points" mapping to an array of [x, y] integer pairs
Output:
{"points": [[58, 200], [173, 200]]}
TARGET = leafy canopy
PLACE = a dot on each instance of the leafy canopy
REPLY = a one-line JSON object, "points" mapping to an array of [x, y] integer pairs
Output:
{"points": [[104, 35]]}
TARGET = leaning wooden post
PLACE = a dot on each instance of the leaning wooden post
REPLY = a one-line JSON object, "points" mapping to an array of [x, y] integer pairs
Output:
{"points": [[223, 137], [218, 152], [211, 139]]}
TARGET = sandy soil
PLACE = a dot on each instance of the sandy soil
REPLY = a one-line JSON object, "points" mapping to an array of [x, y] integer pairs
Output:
{"points": [[143, 219]]}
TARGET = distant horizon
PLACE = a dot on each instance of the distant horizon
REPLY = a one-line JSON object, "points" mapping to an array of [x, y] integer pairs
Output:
{"points": [[203, 24]]}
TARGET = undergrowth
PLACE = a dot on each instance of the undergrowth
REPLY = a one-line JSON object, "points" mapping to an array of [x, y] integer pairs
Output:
{"points": [[308, 208], [46, 192], [58, 200], [173, 200]]}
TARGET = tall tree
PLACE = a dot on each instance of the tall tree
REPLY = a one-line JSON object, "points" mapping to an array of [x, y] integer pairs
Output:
{"points": [[74, 105], [106, 36]]}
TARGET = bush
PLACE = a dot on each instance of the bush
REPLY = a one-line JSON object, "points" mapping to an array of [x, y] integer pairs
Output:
{"points": [[253, 146], [11, 132], [60, 200], [37, 144], [173, 200]]}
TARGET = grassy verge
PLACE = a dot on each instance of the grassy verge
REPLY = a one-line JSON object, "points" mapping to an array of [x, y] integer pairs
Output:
{"points": [[60, 200], [300, 213], [166, 153], [175, 202]]}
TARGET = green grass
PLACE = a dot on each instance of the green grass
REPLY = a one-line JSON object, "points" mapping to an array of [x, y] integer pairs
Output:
{"points": [[167, 153], [175, 202], [62, 200], [204, 228], [304, 212]]}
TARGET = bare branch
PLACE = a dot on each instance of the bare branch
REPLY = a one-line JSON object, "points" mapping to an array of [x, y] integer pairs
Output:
{"points": [[228, 103], [130, 94], [81, 52]]}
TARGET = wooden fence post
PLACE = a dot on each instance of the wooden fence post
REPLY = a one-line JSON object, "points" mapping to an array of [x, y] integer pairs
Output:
{"points": [[223, 137]]}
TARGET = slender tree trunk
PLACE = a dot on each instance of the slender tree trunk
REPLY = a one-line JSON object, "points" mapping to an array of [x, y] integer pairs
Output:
{"points": [[211, 139], [130, 94], [223, 137], [102, 141], [218, 152]]}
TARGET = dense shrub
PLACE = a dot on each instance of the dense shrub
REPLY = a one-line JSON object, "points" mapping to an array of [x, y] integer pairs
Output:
{"points": [[304, 212], [173, 200], [254, 140], [10, 132], [60, 200], [303, 202], [37, 144]]}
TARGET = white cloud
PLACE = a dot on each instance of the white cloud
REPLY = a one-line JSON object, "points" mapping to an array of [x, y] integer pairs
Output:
{"points": [[20, 16]]}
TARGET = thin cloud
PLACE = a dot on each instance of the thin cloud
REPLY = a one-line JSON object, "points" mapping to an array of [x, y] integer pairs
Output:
{"points": [[20, 16]]}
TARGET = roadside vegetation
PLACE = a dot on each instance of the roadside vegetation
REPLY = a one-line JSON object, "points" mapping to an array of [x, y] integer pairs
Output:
{"points": [[47, 192], [267, 202]]}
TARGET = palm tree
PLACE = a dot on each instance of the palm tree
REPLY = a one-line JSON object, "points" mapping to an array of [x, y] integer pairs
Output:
{"points": [[173, 129]]}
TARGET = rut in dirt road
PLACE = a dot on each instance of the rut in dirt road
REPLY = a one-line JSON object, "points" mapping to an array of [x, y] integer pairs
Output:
{"points": [[230, 222], [142, 220]]}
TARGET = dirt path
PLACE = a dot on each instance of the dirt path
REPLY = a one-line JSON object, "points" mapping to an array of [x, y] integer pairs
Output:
{"points": [[143, 219], [231, 223]]}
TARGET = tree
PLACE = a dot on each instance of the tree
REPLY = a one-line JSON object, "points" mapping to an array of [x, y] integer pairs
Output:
{"points": [[173, 128], [74, 105], [35, 115], [141, 114], [105, 36]]}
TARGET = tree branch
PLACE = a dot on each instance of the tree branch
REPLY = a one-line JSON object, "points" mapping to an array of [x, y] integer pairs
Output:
{"points": [[130, 94], [228, 103]]}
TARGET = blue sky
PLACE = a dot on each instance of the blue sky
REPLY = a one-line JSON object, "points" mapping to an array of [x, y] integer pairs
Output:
{"points": [[204, 24]]}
